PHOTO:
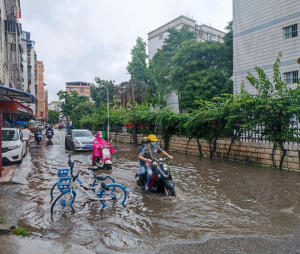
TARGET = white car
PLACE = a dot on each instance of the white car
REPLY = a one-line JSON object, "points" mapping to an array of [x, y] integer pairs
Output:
{"points": [[13, 147], [80, 140], [41, 127]]}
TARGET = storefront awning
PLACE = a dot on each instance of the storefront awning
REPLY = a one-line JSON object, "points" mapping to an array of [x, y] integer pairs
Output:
{"points": [[12, 93]]}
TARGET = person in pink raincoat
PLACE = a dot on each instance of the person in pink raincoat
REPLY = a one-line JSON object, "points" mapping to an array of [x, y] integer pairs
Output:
{"points": [[97, 144]]}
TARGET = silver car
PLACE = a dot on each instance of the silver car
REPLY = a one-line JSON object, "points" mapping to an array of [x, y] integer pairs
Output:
{"points": [[79, 140]]}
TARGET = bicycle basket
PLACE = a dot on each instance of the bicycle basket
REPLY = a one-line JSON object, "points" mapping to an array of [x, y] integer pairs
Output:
{"points": [[63, 172], [64, 183]]}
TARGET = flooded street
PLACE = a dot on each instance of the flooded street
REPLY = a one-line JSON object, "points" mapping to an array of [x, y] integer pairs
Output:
{"points": [[218, 203]]}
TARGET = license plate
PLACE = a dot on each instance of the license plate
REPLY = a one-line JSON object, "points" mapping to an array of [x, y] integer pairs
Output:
{"points": [[89, 146]]}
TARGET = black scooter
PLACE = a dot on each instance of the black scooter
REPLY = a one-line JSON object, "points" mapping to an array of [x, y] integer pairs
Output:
{"points": [[163, 178]]}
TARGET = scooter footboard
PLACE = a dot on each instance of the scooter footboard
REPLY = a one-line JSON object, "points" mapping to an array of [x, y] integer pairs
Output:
{"points": [[168, 184]]}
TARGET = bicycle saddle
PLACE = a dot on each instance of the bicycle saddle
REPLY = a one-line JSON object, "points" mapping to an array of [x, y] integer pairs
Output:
{"points": [[93, 168], [101, 177]]}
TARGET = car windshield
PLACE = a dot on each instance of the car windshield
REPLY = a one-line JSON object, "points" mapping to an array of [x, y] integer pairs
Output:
{"points": [[87, 134], [10, 135]]}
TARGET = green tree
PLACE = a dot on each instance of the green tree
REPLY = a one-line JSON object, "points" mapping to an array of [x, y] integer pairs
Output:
{"points": [[161, 64], [99, 94], [228, 42], [199, 72], [53, 116], [74, 106], [138, 63], [276, 108]]}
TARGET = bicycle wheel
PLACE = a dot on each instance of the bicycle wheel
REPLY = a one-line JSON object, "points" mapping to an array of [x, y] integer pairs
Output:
{"points": [[114, 195], [63, 201], [108, 180]]}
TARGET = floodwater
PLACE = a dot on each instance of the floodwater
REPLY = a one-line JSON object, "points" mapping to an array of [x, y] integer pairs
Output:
{"points": [[215, 200]]}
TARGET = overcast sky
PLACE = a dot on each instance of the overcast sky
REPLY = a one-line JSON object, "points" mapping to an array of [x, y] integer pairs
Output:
{"points": [[79, 40]]}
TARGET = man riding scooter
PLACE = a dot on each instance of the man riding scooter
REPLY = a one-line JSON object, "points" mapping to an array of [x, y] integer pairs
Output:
{"points": [[38, 135], [148, 154], [49, 132]]}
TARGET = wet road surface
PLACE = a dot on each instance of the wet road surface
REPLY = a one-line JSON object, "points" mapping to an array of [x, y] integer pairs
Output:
{"points": [[221, 207]]}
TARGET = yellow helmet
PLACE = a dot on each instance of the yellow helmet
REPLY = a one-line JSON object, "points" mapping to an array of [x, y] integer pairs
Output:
{"points": [[152, 138]]}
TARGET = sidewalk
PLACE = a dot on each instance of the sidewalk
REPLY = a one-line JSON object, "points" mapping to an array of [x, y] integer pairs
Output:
{"points": [[8, 172], [10, 169]]}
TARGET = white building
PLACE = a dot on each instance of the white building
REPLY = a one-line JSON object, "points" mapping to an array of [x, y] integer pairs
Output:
{"points": [[28, 66], [262, 29], [55, 105], [156, 41]]}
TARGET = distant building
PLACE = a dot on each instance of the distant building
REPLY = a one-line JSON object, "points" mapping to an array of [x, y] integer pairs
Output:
{"points": [[262, 29], [83, 88], [28, 66], [55, 105], [157, 36], [41, 94]]}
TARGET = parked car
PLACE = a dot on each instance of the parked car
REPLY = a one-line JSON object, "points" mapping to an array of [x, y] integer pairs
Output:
{"points": [[79, 140], [40, 126], [13, 146]]}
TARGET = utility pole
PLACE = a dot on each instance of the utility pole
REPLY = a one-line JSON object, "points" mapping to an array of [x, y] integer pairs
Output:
{"points": [[133, 104]]}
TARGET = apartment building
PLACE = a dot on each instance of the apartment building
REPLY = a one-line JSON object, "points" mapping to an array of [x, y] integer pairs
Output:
{"points": [[55, 105], [41, 94], [83, 88], [156, 41], [29, 65], [262, 29]]}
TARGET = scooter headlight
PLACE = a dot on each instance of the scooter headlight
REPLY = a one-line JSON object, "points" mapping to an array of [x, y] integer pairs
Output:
{"points": [[165, 167]]}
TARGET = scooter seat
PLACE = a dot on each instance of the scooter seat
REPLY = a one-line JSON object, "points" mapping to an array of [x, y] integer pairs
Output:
{"points": [[93, 168]]}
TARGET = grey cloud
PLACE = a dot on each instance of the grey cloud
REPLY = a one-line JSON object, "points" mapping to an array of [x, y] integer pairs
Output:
{"points": [[82, 39]]}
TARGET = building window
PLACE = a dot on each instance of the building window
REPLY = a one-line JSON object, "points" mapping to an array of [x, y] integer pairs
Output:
{"points": [[71, 89], [290, 31], [161, 37], [291, 77], [81, 90], [211, 37]]}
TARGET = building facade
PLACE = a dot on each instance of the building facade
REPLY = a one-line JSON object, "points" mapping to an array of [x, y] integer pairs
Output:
{"points": [[29, 65], [55, 105], [83, 88], [156, 41], [42, 103], [262, 29], [18, 60]]}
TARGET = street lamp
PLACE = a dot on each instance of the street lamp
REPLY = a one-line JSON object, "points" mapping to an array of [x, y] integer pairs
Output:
{"points": [[100, 85], [133, 104]]}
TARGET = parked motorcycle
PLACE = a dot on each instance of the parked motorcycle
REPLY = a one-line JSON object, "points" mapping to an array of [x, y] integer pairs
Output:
{"points": [[161, 181], [105, 162]]}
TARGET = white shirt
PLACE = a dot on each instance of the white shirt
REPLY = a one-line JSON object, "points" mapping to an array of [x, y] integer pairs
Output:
{"points": [[26, 134]]}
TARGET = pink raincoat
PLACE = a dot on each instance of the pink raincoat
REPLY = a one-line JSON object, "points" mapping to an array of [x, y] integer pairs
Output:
{"points": [[97, 147]]}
